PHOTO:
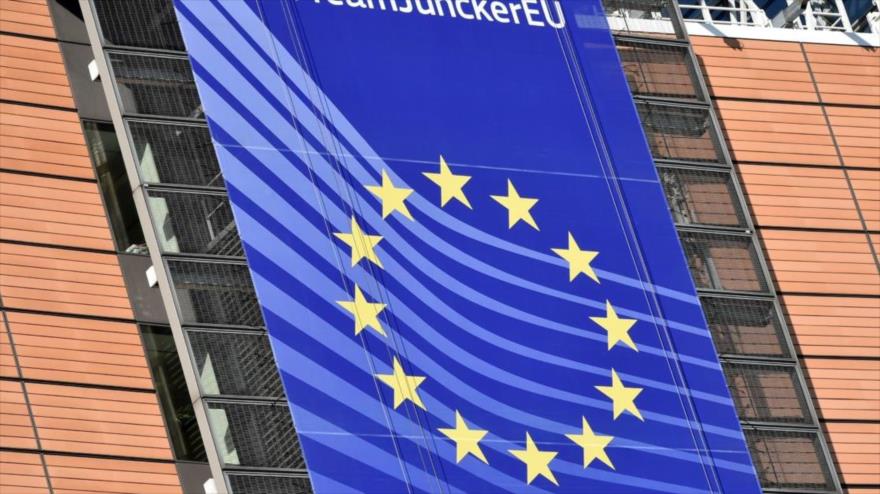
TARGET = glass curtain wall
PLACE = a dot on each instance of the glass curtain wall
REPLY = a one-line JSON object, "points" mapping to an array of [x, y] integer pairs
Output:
{"points": [[718, 240], [188, 212]]}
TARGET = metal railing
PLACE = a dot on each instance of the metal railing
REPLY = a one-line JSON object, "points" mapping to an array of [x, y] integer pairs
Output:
{"points": [[808, 15], [732, 12]]}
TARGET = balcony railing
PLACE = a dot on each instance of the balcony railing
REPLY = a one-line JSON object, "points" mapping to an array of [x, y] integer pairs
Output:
{"points": [[861, 16]]}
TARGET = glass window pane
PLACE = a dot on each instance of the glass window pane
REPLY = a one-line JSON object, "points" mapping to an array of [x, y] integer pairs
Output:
{"points": [[194, 223], [142, 23], [175, 154], [663, 71], [268, 484], [789, 460], [235, 364], [215, 293], [745, 327], [767, 393], [173, 395], [156, 85], [255, 435], [702, 197], [723, 262], [679, 133], [115, 188]]}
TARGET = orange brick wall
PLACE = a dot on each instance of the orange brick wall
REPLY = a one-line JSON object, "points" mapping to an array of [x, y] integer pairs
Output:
{"points": [[803, 125], [78, 412]]}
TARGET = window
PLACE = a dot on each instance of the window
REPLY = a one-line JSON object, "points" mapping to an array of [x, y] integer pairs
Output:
{"points": [[723, 262], [193, 223], [175, 154], [767, 393], [155, 85], [745, 327], [215, 293], [701, 197], [255, 435], [177, 409], [268, 484], [115, 188], [142, 23], [658, 70], [679, 133], [235, 363], [789, 460]]}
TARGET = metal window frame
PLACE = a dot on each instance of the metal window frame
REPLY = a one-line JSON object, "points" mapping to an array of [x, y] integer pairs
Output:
{"points": [[785, 341], [754, 250], [107, 44], [221, 194], [166, 258], [229, 467], [799, 384], [726, 164], [255, 333], [155, 120], [830, 469], [136, 52], [247, 473], [678, 45], [120, 119], [734, 199], [721, 153]]}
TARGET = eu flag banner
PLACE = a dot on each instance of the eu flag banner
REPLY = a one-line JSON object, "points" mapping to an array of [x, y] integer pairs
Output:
{"points": [[463, 254]]}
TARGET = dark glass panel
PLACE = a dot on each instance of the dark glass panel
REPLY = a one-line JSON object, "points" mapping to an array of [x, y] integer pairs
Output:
{"points": [[139, 23], [173, 395], [115, 187]]}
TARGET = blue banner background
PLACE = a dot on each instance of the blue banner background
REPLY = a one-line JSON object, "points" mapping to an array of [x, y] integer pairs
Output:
{"points": [[308, 103]]}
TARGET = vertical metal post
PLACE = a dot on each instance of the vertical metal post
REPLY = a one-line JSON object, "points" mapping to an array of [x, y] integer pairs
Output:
{"points": [[151, 239]]}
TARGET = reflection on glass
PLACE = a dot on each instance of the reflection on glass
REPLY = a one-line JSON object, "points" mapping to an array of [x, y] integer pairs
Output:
{"points": [[115, 188], [235, 363], [175, 154], [194, 223], [255, 435], [173, 395]]}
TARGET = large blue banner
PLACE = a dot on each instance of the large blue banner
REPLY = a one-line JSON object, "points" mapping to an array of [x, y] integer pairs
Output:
{"points": [[464, 257]]}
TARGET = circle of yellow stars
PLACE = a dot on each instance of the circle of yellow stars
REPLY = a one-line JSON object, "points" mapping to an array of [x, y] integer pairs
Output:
{"points": [[405, 386]]}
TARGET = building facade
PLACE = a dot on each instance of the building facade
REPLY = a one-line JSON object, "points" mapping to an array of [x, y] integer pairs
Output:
{"points": [[134, 351]]}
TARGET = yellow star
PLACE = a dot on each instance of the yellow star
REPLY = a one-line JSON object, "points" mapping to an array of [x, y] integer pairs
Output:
{"points": [[578, 260], [594, 446], [466, 440], [361, 244], [392, 197], [618, 328], [450, 184], [537, 461], [517, 207], [366, 314], [404, 386], [624, 398]]}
